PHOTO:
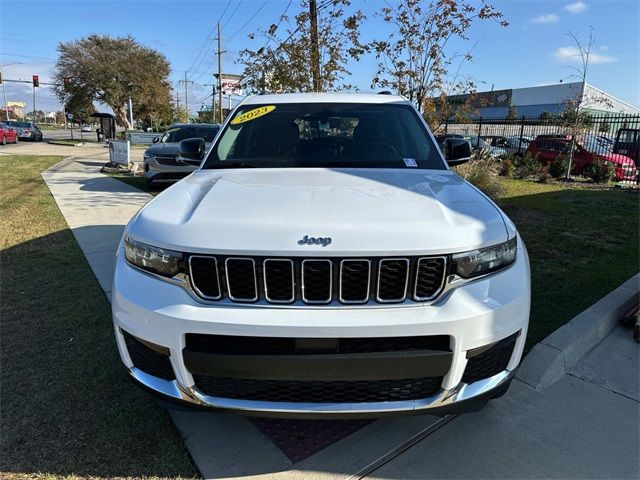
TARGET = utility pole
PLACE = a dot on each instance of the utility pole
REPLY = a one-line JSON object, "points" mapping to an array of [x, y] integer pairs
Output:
{"points": [[213, 99], [219, 74], [315, 53], [186, 95], [34, 104], [4, 92]]}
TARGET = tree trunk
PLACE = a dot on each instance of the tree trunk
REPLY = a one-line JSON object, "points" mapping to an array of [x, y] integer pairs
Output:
{"points": [[122, 118]]}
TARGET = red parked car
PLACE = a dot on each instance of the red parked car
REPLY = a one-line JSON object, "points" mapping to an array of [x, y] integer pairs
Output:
{"points": [[7, 134], [588, 149]]}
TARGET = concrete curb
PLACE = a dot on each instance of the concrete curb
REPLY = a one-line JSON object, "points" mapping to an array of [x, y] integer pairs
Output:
{"points": [[549, 360]]}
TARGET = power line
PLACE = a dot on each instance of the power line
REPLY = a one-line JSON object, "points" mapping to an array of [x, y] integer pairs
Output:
{"points": [[232, 14], [280, 44], [278, 24], [25, 56], [223, 12], [203, 51], [248, 22]]}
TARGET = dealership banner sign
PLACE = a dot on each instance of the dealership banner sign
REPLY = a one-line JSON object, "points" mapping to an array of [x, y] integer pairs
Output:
{"points": [[231, 84], [120, 152]]}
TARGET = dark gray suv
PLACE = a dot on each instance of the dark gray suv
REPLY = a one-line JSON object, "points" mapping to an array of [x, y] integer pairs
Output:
{"points": [[161, 163]]}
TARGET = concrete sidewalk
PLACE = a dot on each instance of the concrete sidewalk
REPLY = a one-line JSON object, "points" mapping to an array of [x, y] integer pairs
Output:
{"points": [[584, 426], [96, 208], [587, 425]]}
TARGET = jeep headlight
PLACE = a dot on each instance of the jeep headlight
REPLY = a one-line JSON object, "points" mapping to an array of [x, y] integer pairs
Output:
{"points": [[152, 259], [485, 260]]}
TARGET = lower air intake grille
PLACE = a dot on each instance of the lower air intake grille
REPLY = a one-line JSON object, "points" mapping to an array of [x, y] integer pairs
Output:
{"points": [[490, 362], [236, 345], [317, 391], [147, 359]]}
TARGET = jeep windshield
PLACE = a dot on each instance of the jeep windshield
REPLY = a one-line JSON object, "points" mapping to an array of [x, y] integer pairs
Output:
{"points": [[326, 135]]}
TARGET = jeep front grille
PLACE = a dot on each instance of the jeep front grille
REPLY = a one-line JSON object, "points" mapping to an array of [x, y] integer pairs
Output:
{"points": [[317, 281]]}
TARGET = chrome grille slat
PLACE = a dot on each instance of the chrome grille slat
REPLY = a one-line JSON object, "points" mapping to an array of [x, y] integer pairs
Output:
{"points": [[393, 279], [279, 285], [316, 281], [312, 281], [237, 271], [428, 283], [355, 282], [208, 286]]}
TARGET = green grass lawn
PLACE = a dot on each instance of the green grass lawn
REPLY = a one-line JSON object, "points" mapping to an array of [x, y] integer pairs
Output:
{"points": [[582, 242], [67, 407]]}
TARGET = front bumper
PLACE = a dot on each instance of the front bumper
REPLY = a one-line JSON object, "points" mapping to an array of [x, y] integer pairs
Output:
{"points": [[473, 316], [160, 173]]}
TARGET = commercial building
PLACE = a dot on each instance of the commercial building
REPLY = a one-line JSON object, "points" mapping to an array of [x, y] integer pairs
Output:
{"points": [[534, 101]]}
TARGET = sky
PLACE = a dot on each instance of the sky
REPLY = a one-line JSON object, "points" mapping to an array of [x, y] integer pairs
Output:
{"points": [[533, 50]]}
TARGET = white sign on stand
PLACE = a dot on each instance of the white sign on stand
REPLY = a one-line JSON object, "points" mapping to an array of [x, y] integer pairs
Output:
{"points": [[120, 152]]}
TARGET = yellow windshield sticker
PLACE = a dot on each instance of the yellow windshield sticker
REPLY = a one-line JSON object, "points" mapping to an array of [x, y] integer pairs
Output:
{"points": [[253, 114]]}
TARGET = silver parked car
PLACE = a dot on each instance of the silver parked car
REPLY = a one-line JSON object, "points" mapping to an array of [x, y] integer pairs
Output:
{"points": [[161, 163]]}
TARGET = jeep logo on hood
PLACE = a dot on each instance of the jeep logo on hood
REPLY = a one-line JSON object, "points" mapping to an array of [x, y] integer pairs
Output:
{"points": [[307, 240]]}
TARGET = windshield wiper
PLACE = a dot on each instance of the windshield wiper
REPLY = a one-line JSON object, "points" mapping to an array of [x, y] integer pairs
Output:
{"points": [[238, 164]]}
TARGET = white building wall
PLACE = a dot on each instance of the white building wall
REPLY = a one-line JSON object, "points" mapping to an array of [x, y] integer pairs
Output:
{"points": [[545, 95]]}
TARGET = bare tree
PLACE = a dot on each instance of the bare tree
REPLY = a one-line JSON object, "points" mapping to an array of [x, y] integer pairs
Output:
{"points": [[573, 116], [415, 59]]}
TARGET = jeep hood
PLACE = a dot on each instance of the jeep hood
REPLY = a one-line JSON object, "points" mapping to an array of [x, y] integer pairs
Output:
{"points": [[364, 211]]}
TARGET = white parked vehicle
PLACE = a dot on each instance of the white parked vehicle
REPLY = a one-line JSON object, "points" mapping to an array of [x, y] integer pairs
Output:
{"points": [[323, 261]]}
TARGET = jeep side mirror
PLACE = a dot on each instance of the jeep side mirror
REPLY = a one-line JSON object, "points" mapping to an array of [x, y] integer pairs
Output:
{"points": [[457, 151], [156, 139], [191, 151]]}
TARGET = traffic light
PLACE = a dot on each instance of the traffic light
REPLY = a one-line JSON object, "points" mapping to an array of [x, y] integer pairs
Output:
{"points": [[36, 81]]}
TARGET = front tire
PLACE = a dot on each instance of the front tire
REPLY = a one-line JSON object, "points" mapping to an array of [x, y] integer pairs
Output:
{"points": [[4, 140]]}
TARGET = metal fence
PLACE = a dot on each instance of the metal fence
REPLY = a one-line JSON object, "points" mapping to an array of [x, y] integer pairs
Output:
{"points": [[604, 125], [603, 129]]}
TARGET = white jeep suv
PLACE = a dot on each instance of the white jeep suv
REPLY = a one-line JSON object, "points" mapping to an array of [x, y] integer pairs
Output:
{"points": [[322, 261]]}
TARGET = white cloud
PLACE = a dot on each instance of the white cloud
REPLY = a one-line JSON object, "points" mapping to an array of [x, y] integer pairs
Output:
{"points": [[545, 19], [576, 7], [572, 54]]}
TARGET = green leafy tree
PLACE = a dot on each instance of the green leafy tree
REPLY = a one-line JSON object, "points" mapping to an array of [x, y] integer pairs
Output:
{"points": [[415, 60], [79, 105], [112, 69], [283, 62], [513, 113]]}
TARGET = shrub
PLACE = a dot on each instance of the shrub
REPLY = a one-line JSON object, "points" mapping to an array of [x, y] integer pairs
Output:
{"points": [[558, 167], [599, 171], [544, 176], [482, 171], [526, 165], [506, 167]]}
